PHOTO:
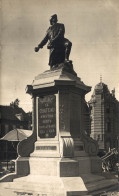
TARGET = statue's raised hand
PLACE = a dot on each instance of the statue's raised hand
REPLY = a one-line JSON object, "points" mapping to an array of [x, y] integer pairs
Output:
{"points": [[36, 49]]}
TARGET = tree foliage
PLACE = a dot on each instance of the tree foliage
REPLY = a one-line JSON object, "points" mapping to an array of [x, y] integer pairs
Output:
{"points": [[15, 103]]}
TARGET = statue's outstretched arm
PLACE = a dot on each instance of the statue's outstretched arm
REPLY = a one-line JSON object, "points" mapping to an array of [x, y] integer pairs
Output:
{"points": [[42, 43]]}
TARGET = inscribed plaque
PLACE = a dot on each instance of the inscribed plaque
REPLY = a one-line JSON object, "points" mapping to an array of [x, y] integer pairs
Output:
{"points": [[47, 116]]}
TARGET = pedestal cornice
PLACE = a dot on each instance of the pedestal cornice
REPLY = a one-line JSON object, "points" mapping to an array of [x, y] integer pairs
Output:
{"points": [[56, 79]]}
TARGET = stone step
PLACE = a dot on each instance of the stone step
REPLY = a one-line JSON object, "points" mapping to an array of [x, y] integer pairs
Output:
{"points": [[51, 186], [37, 178], [100, 186], [30, 186], [89, 178]]}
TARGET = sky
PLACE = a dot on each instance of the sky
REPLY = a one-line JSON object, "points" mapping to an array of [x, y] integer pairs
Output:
{"points": [[91, 25]]}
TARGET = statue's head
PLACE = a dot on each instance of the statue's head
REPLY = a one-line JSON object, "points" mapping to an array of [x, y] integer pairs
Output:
{"points": [[53, 19]]}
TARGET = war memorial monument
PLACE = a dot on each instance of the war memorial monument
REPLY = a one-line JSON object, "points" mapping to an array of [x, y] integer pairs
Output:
{"points": [[60, 157]]}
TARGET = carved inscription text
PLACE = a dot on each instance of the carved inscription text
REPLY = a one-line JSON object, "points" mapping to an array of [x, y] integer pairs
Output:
{"points": [[47, 116]]}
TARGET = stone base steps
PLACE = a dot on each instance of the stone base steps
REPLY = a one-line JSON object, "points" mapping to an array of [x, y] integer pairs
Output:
{"points": [[46, 186], [90, 178], [55, 186], [101, 186]]}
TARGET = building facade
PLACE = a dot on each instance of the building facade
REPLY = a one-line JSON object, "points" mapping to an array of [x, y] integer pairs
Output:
{"points": [[12, 117], [104, 111]]}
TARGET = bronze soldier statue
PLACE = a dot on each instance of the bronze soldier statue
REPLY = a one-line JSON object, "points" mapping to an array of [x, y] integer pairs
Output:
{"points": [[59, 46]]}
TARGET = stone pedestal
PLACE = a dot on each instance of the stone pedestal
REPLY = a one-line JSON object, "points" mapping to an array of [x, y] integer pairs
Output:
{"points": [[58, 156]]}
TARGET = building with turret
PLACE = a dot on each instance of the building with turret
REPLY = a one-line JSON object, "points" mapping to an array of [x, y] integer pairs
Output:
{"points": [[104, 111]]}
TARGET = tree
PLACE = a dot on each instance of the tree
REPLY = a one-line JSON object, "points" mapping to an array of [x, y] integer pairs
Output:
{"points": [[15, 103]]}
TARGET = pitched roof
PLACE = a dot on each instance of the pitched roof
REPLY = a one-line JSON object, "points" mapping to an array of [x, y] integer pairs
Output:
{"points": [[9, 113]]}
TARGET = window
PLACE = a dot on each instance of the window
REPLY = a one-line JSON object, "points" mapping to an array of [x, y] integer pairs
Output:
{"points": [[0, 130], [108, 125], [20, 116], [95, 137], [21, 127], [98, 138], [6, 128], [108, 110], [14, 126]]}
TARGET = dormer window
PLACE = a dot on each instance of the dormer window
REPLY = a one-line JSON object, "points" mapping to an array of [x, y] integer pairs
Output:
{"points": [[20, 117], [108, 110]]}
